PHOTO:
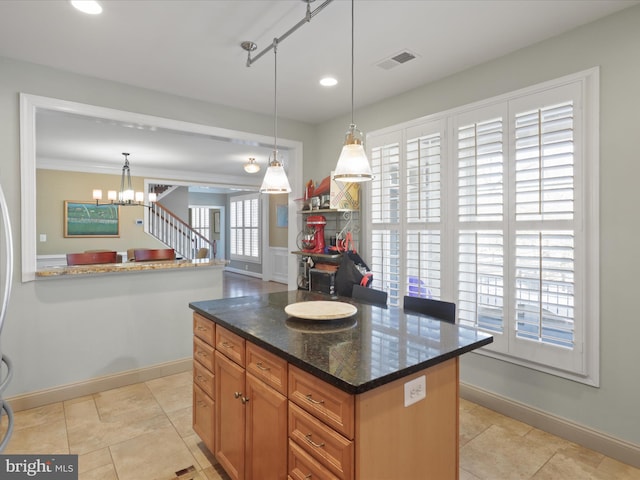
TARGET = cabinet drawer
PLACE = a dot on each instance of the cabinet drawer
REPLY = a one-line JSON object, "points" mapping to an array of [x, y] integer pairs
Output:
{"points": [[203, 353], [204, 329], [203, 378], [323, 443], [230, 345], [325, 402], [269, 368], [203, 417], [303, 466]]}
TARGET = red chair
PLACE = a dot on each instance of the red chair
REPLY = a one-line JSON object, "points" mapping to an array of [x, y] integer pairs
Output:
{"points": [[151, 255], [91, 258]]}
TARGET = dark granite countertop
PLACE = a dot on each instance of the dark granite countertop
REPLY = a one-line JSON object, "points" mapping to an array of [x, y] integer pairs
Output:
{"points": [[374, 347]]}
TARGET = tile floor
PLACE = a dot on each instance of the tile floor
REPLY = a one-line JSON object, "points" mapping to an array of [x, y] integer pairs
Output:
{"points": [[143, 432]]}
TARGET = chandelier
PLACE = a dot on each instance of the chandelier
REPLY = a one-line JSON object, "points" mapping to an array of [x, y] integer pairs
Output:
{"points": [[126, 196]]}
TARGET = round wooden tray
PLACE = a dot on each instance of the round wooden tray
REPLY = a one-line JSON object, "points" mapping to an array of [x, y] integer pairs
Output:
{"points": [[320, 310]]}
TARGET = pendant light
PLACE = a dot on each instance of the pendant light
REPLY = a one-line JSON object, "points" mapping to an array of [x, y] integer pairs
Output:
{"points": [[353, 165], [275, 179]]}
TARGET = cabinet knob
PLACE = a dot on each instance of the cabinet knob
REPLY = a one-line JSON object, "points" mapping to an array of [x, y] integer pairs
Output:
{"points": [[237, 394], [244, 400]]}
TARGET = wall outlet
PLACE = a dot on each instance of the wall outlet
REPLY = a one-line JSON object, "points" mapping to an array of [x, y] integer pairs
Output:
{"points": [[139, 221], [415, 390]]}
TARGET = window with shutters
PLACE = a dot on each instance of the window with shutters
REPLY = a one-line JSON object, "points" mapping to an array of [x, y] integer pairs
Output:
{"points": [[494, 206], [244, 225], [200, 220]]}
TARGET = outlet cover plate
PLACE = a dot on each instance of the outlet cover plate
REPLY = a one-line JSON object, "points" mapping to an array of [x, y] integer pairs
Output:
{"points": [[415, 390]]}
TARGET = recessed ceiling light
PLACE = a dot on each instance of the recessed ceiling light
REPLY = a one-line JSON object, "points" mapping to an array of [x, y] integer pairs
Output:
{"points": [[328, 81], [87, 6]]}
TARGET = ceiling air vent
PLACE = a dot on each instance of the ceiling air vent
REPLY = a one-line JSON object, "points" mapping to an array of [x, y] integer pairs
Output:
{"points": [[397, 59]]}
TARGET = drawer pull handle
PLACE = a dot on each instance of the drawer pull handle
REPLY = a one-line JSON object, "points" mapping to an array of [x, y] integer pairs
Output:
{"points": [[202, 329], [262, 367], [201, 403], [227, 345], [308, 439], [316, 402], [307, 476], [201, 353], [237, 394], [199, 378]]}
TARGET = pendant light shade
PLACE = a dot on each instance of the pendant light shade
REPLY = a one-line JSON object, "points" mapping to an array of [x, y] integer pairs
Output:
{"points": [[275, 179], [353, 164]]}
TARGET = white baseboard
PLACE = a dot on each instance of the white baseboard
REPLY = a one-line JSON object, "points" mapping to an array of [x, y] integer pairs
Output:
{"points": [[99, 384], [243, 272], [621, 450]]}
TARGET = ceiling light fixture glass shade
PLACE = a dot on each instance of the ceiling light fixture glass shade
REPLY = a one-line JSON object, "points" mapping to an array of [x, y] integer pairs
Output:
{"points": [[126, 195], [251, 166], [275, 178], [353, 164]]}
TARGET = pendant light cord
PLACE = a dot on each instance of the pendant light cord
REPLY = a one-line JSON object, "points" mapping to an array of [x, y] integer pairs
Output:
{"points": [[275, 99], [352, 61]]}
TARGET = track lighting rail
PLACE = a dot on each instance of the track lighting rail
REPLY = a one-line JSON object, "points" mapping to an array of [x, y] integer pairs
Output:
{"points": [[250, 46]]}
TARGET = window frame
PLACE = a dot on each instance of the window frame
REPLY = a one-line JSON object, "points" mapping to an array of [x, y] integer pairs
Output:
{"points": [[586, 224]]}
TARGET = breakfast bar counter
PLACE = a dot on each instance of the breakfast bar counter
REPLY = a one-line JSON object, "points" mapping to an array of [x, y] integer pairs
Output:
{"points": [[372, 396], [110, 268]]}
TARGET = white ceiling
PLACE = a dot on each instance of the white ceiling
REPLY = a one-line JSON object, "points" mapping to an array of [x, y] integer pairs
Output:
{"points": [[191, 48]]}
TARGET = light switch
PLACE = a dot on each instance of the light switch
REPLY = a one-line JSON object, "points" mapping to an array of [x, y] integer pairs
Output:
{"points": [[43, 237], [415, 390]]}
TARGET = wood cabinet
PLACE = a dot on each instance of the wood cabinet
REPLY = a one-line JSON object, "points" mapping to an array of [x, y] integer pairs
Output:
{"points": [[250, 412], [203, 384], [273, 420], [230, 416]]}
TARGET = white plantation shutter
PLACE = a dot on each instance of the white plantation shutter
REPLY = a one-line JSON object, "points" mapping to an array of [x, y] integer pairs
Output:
{"points": [[480, 170], [545, 287], [385, 187], [495, 206], [244, 212], [385, 244], [481, 279], [423, 264], [544, 148], [406, 210], [423, 179]]}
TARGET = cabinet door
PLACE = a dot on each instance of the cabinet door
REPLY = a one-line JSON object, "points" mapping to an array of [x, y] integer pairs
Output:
{"points": [[203, 420], [230, 416], [266, 417]]}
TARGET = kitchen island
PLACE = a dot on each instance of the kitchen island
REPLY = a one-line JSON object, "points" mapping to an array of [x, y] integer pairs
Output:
{"points": [[371, 397]]}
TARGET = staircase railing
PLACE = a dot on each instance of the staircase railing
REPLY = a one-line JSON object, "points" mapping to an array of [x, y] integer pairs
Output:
{"points": [[171, 230]]}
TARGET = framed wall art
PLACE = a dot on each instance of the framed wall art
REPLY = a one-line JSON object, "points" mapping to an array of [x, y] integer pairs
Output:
{"points": [[86, 219]]}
